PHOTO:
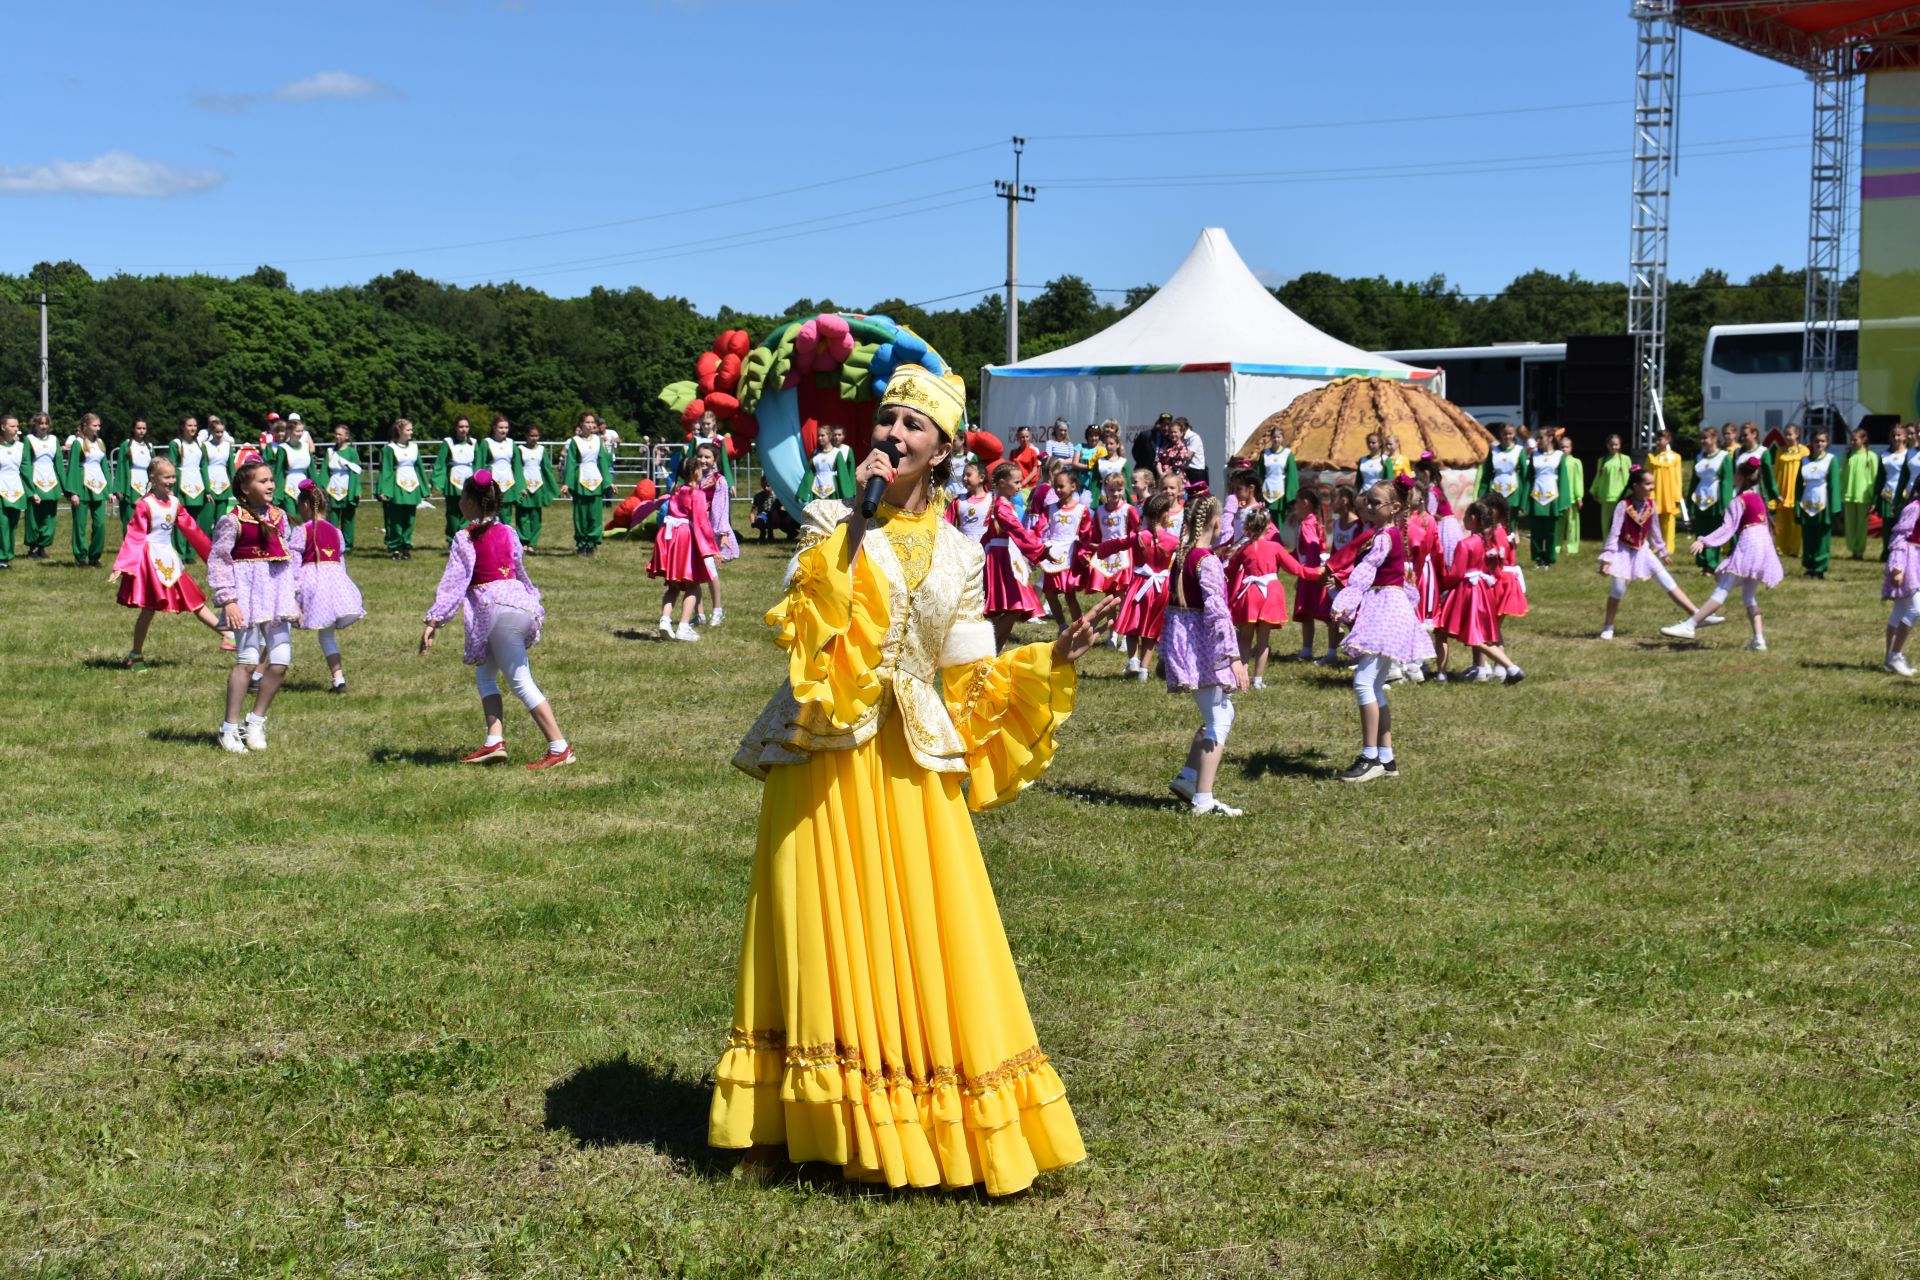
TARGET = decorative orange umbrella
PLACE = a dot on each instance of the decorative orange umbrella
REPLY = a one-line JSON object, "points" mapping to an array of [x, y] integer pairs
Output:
{"points": [[1327, 428]]}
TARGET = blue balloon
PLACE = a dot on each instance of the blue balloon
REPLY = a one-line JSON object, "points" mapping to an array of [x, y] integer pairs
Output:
{"points": [[783, 454]]}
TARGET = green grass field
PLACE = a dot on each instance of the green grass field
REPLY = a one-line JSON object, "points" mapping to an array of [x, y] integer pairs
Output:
{"points": [[1618, 980]]}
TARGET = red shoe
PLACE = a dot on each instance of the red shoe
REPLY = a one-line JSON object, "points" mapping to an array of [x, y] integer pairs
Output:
{"points": [[553, 759], [498, 751]]}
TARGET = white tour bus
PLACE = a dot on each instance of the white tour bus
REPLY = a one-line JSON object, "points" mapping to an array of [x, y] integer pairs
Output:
{"points": [[1517, 382], [1756, 373]]}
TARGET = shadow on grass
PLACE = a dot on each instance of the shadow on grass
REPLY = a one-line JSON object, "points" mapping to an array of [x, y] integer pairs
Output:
{"points": [[634, 633], [116, 664], [621, 1101], [1103, 795], [190, 737], [1286, 764], [1811, 665], [410, 755]]}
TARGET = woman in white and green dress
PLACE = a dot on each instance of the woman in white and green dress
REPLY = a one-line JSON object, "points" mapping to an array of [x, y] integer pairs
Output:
{"points": [[343, 472], [584, 480], [399, 489]]}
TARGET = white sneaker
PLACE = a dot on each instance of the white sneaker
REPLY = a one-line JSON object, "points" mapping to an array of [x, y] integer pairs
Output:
{"points": [[686, 632], [1259, 682], [1606, 633], [1713, 619], [1216, 808], [1897, 664], [1181, 787], [699, 617], [1416, 674], [1758, 644], [256, 731], [1142, 673], [666, 625], [230, 740], [719, 616], [1682, 630]]}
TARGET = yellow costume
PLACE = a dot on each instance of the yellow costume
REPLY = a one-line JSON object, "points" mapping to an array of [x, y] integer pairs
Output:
{"points": [[878, 1019], [1666, 468], [1786, 476]]}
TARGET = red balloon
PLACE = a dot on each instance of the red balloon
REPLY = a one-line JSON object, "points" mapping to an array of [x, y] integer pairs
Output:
{"points": [[694, 409], [729, 375], [722, 404], [742, 429], [734, 342]]}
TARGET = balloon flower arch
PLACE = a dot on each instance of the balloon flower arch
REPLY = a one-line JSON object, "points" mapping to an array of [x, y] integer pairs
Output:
{"points": [[827, 371]]}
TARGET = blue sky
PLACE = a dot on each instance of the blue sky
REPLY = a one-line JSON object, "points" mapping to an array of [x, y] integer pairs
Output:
{"points": [[751, 152]]}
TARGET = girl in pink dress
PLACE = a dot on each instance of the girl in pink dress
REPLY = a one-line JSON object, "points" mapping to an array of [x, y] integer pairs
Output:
{"points": [[969, 512], [329, 602], [1754, 562], [720, 521], [1012, 550], [1114, 519], [1378, 602], [684, 548], [1143, 606], [1510, 585], [1467, 613], [1201, 654], [1636, 550], [152, 577], [486, 583], [1063, 525], [253, 567], [1256, 600], [1900, 585], [1310, 600]]}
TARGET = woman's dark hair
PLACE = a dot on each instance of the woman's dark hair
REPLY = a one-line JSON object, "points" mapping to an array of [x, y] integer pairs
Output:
{"points": [[940, 474], [485, 497], [1155, 509]]}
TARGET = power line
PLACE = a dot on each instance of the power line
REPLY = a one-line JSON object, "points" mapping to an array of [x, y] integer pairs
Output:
{"points": [[1617, 103]]}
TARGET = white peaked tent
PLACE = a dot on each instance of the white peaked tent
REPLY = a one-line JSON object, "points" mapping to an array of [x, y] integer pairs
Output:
{"points": [[1212, 346]]}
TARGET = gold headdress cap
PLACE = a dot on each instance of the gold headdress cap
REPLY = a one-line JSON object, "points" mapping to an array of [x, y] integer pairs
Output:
{"points": [[942, 397]]}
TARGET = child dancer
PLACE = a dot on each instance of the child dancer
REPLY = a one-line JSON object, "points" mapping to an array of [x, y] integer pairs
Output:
{"points": [[1259, 604], [85, 481], [1310, 601], [329, 602], [1379, 601], [131, 462], [1011, 548], [720, 519], [397, 485], [252, 567], [343, 483], [968, 513], [1707, 500], [1344, 545], [683, 549], [1063, 527], [486, 580], [1634, 549], [537, 486], [1816, 500], [1143, 604], [1467, 615], [42, 458], [153, 577], [1115, 519], [1510, 589], [1901, 586], [1753, 562], [584, 479], [13, 486], [1202, 655]]}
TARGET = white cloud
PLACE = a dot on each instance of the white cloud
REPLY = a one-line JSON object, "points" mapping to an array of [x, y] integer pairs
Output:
{"points": [[332, 84], [322, 86], [114, 174]]}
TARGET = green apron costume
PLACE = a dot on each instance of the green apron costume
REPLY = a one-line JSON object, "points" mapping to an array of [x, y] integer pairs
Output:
{"points": [[85, 478], [451, 467], [586, 480], [132, 459], [343, 472], [399, 489], [1279, 481], [1508, 471], [1707, 500], [43, 490], [292, 463], [1577, 494], [219, 477], [1859, 486], [13, 495], [190, 486], [1549, 491], [501, 458], [1890, 494], [1814, 513], [537, 487], [1610, 485]]}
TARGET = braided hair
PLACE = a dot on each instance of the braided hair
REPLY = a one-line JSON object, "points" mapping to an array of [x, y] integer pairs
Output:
{"points": [[1201, 512]]}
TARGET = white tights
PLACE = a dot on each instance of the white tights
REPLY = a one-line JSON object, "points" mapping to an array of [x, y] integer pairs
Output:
{"points": [[329, 646], [1216, 712], [1660, 575], [1723, 585], [275, 638], [1370, 680], [507, 651], [1906, 612]]}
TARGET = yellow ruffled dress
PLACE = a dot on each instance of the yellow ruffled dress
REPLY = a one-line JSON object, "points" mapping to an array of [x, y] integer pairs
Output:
{"points": [[878, 1021]]}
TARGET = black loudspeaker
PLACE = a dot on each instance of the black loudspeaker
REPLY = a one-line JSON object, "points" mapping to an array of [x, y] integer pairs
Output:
{"points": [[1879, 428], [1599, 391]]}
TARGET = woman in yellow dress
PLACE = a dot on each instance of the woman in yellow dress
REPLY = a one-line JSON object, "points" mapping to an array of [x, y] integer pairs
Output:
{"points": [[878, 1020]]}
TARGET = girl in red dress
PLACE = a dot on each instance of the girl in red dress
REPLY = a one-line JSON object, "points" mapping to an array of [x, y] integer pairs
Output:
{"points": [[1310, 604], [684, 547], [1063, 526], [1012, 550], [1468, 613], [1143, 610], [152, 577], [1255, 598]]}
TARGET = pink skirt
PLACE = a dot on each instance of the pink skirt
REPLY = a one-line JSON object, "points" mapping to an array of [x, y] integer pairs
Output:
{"points": [[1144, 610], [1510, 593], [1753, 557], [676, 555], [1311, 602], [1005, 593], [1108, 574], [144, 590], [1635, 565], [328, 598], [1468, 614], [1384, 624], [1255, 601]]}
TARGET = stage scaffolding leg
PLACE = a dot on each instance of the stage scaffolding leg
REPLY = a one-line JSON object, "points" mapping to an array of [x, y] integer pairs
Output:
{"points": [[1655, 90], [1830, 391]]}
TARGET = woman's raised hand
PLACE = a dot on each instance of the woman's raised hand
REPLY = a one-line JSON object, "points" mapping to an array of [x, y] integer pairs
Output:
{"points": [[874, 464], [1073, 643]]}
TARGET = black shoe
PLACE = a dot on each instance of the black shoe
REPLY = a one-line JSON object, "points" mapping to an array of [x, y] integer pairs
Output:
{"points": [[338, 688], [1363, 770], [1515, 675], [407, 554], [1389, 768]]}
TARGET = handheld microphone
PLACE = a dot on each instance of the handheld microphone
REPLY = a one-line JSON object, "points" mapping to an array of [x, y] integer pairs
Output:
{"points": [[877, 485]]}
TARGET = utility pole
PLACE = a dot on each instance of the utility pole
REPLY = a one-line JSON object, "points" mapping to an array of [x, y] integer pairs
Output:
{"points": [[41, 300], [1015, 195]]}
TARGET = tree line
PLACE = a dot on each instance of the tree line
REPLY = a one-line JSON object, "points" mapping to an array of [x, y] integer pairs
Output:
{"points": [[403, 345]]}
